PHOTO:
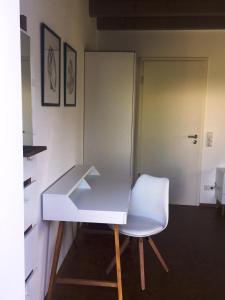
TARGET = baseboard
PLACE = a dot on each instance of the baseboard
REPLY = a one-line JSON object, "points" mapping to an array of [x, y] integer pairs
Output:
{"points": [[213, 205]]}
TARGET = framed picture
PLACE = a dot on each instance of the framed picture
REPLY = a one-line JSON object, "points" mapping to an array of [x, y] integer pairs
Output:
{"points": [[50, 67], [70, 70]]}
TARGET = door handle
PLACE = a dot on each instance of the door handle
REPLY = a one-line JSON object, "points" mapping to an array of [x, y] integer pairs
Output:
{"points": [[193, 136]]}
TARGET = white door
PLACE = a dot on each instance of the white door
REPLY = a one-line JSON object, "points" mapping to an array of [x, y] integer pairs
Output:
{"points": [[170, 115]]}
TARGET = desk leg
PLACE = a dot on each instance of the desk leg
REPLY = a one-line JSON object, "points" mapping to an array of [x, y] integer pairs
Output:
{"points": [[55, 259], [118, 265]]}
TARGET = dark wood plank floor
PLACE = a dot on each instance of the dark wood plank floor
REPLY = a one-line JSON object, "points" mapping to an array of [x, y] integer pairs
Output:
{"points": [[193, 246]]}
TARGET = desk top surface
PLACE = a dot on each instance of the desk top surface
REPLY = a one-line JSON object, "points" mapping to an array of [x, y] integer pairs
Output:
{"points": [[106, 194]]}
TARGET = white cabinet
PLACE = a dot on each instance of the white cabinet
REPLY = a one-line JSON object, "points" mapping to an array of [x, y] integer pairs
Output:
{"points": [[30, 227], [109, 109]]}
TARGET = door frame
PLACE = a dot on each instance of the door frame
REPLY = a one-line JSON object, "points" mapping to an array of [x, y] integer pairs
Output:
{"points": [[138, 116]]}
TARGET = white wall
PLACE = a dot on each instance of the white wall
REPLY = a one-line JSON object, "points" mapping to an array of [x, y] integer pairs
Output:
{"points": [[59, 128], [210, 44], [11, 210]]}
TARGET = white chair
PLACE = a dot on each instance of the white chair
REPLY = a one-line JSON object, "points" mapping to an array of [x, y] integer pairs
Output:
{"points": [[148, 215]]}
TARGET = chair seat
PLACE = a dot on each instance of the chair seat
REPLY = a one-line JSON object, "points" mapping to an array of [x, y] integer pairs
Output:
{"points": [[138, 226]]}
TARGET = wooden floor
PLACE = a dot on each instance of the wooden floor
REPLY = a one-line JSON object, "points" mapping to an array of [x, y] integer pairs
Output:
{"points": [[193, 245]]}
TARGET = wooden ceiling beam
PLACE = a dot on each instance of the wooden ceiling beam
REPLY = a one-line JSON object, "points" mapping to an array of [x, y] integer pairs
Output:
{"points": [[154, 8], [161, 23]]}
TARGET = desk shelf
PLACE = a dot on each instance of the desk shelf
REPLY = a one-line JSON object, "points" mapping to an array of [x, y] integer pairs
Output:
{"points": [[82, 195], [57, 204]]}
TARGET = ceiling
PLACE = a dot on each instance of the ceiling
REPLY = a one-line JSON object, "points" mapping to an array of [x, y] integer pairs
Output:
{"points": [[158, 14]]}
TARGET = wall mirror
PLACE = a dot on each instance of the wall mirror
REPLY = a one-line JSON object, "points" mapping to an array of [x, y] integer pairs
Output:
{"points": [[26, 89]]}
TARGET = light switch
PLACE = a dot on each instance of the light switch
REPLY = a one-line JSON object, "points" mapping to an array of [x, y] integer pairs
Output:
{"points": [[209, 139]]}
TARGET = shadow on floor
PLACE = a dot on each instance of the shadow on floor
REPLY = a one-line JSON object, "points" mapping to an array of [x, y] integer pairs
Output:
{"points": [[193, 245]]}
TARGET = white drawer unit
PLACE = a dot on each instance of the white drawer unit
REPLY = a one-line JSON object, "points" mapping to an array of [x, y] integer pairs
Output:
{"points": [[30, 244], [220, 188]]}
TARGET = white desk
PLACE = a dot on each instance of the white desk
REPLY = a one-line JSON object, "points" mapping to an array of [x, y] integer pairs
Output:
{"points": [[83, 195]]}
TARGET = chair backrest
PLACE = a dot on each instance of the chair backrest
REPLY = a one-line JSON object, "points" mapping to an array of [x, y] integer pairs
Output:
{"points": [[150, 198]]}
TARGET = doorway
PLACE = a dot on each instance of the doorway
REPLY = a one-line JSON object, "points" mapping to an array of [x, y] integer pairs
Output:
{"points": [[170, 124]]}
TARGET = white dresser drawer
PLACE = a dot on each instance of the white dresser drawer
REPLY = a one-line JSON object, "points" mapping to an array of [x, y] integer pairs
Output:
{"points": [[29, 214], [30, 245], [29, 168], [30, 191], [30, 286], [30, 201]]}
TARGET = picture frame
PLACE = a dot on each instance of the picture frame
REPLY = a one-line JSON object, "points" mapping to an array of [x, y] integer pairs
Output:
{"points": [[70, 75], [50, 67]]}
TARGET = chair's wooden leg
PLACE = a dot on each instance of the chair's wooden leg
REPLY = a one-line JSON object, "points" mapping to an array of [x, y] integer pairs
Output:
{"points": [[122, 249], [142, 263], [55, 259], [118, 265], [157, 253]]}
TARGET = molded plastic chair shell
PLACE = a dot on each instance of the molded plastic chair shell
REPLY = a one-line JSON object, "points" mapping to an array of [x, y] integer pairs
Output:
{"points": [[149, 207]]}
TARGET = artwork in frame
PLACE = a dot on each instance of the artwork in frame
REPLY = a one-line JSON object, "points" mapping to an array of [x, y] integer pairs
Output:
{"points": [[70, 69], [50, 66]]}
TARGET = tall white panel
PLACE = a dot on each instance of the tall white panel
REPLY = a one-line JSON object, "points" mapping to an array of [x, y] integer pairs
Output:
{"points": [[11, 158], [109, 103]]}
